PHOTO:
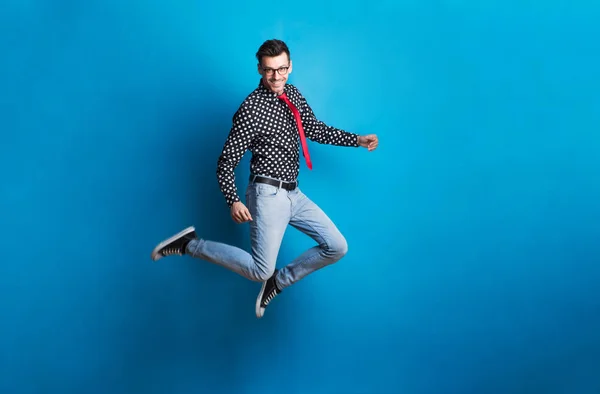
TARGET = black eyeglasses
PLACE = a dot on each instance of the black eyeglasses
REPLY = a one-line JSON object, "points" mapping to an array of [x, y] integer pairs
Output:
{"points": [[270, 71]]}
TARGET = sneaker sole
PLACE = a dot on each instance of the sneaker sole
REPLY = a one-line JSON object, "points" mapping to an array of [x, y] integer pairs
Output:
{"points": [[155, 256], [259, 312]]}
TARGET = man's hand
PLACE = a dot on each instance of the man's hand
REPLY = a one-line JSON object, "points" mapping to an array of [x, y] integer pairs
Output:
{"points": [[368, 141], [239, 213]]}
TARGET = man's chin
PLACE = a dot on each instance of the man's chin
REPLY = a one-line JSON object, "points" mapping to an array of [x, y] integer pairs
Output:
{"points": [[277, 89]]}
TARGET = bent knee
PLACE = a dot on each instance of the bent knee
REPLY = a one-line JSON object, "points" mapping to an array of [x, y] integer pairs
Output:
{"points": [[337, 248], [261, 275]]}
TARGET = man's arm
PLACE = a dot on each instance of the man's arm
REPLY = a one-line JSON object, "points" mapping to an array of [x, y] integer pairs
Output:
{"points": [[237, 143], [319, 132]]}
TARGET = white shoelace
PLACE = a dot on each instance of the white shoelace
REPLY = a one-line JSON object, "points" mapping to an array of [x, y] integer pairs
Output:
{"points": [[170, 251], [271, 295]]}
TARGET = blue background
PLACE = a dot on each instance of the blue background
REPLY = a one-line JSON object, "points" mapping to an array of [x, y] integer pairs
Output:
{"points": [[473, 229]]}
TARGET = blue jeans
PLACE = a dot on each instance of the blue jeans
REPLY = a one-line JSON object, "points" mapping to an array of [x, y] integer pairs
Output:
{"points": [[272, 209]]}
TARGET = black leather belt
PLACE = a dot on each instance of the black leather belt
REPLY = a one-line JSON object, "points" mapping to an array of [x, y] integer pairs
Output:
{"points": [[273, 182]]}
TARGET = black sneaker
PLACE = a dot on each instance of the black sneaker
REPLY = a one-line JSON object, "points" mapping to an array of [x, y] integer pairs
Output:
{"points": [[174, 245], [268, 291]]}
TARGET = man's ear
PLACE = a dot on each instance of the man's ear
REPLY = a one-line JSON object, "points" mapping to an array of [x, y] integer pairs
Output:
{"points": [[290, 69], [259, 69]]}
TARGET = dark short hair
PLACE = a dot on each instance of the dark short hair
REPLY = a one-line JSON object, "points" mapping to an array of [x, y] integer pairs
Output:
{"points": [[271, 48]]}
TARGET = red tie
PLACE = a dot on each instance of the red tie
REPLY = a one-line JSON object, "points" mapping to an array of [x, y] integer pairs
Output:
{"points": [[300, 129]]}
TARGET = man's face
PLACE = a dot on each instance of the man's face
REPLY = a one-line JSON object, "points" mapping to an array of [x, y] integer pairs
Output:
{"points": [[275, 71]]}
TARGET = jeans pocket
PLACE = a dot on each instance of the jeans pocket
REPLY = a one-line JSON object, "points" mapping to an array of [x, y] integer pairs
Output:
{"points": [[264, 190]]}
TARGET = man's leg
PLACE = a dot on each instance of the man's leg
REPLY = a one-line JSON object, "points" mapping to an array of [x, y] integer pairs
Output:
{"points": [[270, 208], [311, 220]]}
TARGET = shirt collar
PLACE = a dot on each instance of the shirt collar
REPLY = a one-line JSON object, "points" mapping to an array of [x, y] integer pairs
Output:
{"points": [[269, 95]]}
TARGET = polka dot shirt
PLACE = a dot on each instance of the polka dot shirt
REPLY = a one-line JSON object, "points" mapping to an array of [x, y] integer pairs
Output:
{"points": [[265, 125]]}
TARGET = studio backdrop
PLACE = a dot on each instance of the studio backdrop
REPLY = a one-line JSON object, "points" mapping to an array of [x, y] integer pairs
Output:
{"points": [[473, 230]]}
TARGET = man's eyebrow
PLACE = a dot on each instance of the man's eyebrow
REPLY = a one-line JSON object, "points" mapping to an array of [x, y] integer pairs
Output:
{"points": [[269, 68]]}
